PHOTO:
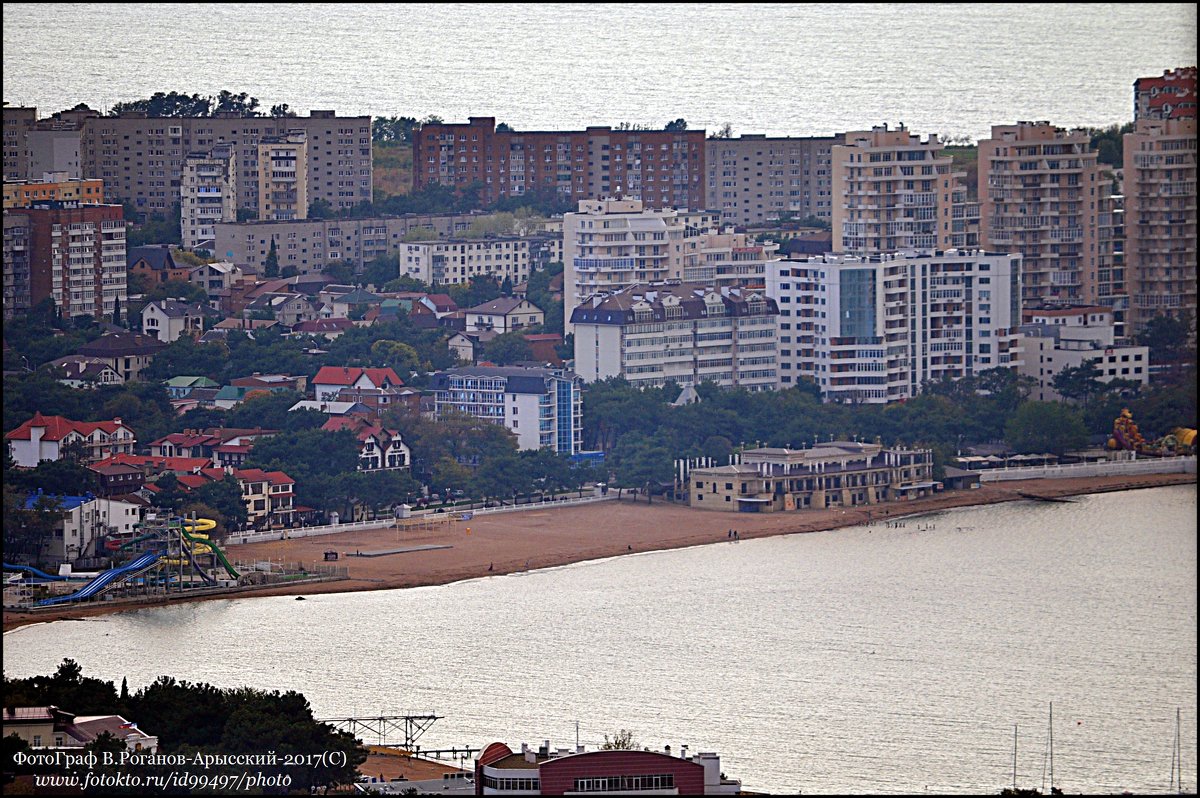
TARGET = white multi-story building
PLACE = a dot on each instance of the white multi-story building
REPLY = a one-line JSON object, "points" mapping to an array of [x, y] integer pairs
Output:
{"points": [[543, 408], [457, 260], [875, 329], [685, 333], [208, 194], [1056, 338], [611, 244]]}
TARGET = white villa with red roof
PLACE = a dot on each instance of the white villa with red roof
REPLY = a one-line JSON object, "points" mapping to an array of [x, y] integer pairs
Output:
{"points": [[382, 449], [330, 380], [44, 437]]}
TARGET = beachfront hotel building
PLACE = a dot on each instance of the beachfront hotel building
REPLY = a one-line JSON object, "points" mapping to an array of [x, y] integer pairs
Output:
{"points": [[543, 408], [1040, 191], [832, 474], [208, 194], [874, 329], [891, 191], [564, 771], [756, 180], [679, 332], [661, 168], [611, 244], [1160, 218]]}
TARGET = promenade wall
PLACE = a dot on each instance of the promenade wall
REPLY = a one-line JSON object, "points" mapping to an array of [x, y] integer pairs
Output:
{"points": [[1148, 465]]}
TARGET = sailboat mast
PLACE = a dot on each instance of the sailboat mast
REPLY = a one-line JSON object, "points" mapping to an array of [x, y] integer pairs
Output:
{"points": [[1178, 755], [1051, 746], [1014, 757]]}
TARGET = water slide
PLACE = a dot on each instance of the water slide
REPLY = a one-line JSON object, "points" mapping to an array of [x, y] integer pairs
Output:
{"points": [[204, 525], [106, 580], [35, 572]]}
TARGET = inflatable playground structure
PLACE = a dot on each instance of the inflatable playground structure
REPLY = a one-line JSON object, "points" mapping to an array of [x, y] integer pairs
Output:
{"points": [[167, 555], [1127, 437]]}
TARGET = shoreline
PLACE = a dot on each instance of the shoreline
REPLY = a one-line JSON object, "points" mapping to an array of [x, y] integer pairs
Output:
{"points": [[505, 543]]}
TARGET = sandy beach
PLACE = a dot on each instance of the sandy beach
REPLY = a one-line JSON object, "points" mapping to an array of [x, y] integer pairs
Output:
{"points": [[506, 542]]}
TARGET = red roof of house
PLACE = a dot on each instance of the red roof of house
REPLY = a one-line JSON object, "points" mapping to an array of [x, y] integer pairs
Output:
{"points": [[342, 375], [58, 427], [322, 325], [442, 302], [358, 425], [176, 464]]}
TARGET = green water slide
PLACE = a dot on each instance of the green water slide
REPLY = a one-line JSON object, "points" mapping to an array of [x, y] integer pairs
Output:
{"points": [[204, 541]]}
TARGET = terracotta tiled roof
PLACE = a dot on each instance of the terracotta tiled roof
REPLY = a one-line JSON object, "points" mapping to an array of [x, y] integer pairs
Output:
{"points": [[58, 427]]}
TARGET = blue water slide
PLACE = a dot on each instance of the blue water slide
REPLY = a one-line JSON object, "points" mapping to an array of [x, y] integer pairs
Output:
{"points": [[106, 580], [31, 570]]}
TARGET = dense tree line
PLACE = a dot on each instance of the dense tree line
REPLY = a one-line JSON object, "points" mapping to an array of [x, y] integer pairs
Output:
{"points": [[196, 718]]}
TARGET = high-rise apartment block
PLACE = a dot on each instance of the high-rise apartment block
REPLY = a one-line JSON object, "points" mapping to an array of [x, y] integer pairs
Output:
{"points": [[755, 180], [875, 329], [686, 333], [70, 252], [208, 194], [1040, 190], [1170, 96], [1160, 218], [141, 159], [891, 191], [18, 121], [611, 244], [283, 177], [728, 259], [661, 168]]}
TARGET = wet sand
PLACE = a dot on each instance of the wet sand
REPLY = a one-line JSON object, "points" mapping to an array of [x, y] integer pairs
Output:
{"points": [[507, 542]]}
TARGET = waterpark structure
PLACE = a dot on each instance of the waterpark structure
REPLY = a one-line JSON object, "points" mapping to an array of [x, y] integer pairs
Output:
{"points": [[1126, 437], [159, 555]]}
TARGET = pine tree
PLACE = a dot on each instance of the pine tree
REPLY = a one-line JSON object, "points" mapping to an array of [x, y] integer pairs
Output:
{"points": [[271, 264], [116, 317]]}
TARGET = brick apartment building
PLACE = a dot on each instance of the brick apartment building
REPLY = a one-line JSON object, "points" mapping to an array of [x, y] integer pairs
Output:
{"points": [[664, 169]]}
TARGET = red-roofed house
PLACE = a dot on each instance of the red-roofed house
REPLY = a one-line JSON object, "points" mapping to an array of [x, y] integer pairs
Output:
{"points": [[51, 727], [44, 437], [209, 443], [382, 449], [544, 347], [153, 466], [332, 379], [327, 328]]}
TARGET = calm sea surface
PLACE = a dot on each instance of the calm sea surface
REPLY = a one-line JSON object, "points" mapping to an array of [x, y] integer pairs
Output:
{"points": [[781, 69], [865, 660]]}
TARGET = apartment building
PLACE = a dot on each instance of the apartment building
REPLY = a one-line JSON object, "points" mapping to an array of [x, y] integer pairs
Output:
{"points": [[1057, 338], [756, 180], [611, 244], [874, 329], [1112, 272], [73, 253], [661, 168], [1040, 195], [17, 122], [728, 259], [543, 408], [309, 245], [1169, 96], [687, 333], [891, 191], [1160, 218], [283, 177], [52, 186], [457, 260], [141, 159], [208, 194]]}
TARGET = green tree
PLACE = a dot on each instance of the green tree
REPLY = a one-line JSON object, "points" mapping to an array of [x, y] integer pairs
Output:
{"points": [[506, 349], [224, 496], [677, 126], [282, 110], [320, 208], [271, 264], [1079, 383], [1045, 427], [398, 355], [621, 741], [1167, 337]]}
